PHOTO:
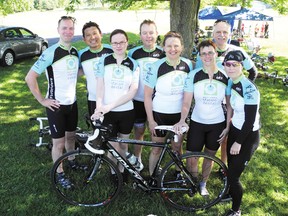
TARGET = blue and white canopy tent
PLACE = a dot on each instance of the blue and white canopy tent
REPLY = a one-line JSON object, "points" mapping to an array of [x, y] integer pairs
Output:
{"points": [[246, 14], [215, 12], [231, 14]]}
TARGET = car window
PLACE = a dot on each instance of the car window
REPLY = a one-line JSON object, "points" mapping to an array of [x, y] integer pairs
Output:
{"points": [[25, 33], [11, 33]]}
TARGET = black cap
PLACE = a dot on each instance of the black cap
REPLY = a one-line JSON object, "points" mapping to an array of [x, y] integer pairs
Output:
{"points": [[235, 55]]}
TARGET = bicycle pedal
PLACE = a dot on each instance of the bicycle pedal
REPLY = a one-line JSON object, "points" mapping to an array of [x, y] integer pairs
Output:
{"points": [[152, 182]]}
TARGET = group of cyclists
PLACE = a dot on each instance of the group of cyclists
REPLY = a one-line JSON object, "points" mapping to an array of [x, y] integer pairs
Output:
{"points": [[154, 85]]}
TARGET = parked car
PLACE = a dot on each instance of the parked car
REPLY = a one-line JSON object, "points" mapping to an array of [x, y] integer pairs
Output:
{"points": [[19, 42]]}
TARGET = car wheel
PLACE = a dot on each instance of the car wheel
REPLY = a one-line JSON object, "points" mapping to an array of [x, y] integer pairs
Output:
{"points": [[43, 48], [8, 58]]}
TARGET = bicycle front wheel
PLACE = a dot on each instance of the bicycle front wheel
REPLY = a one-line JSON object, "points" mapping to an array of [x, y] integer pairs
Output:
{"points": [[88, 181], [183, 191]]}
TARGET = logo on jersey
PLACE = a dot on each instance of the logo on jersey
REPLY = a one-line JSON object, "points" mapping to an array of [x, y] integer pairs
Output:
{"points": [[219, 78], [118, 73], [210, 89], [156, 55], [177, 80], [182, 68], [95, 64], [249, 91], [126, 63], [147, 66], [177, 83], [71, 64], [40, 61]]}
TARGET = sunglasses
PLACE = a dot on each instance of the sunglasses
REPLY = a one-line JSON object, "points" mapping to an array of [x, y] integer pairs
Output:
{"points": [[233, 64]]}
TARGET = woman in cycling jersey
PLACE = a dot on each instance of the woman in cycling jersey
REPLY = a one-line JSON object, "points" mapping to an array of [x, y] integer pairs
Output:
{"points": [[117, 84], [163, 92], [244, 135], [208, 127]]}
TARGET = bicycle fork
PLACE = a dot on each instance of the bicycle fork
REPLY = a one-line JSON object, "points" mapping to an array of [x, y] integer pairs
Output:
{"points": [[96, 168]]}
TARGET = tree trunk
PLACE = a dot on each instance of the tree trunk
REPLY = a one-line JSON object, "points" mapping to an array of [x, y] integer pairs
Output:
{"points": [[183, 18]]}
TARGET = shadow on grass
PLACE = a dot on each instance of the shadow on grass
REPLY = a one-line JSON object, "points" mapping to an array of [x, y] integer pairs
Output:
{"points": [[25, 184]]}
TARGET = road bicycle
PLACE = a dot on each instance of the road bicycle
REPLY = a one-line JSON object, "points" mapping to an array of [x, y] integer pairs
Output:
{"points": [[274, 75], [285, 78], [44, 134], [263, 63], [94, 187]]}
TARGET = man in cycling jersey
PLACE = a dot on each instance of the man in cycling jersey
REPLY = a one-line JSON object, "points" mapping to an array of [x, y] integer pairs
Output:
{"points": [[145, 55], [89, 59], [61, 63]]}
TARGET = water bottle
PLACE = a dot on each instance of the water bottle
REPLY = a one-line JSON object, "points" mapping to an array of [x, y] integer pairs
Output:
{"points": [[131, 158], [134, 161]]}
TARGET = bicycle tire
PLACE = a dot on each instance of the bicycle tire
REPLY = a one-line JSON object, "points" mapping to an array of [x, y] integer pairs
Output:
{"points": [[185, 195], [98, 191]]}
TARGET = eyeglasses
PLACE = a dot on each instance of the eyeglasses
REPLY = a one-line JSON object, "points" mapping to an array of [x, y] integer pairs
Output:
{"points": [[115, 44], [210, 53], [233, 64]]}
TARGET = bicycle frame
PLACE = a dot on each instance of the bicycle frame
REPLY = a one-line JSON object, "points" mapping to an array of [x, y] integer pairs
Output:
{"points": [[140, 181], [177, 184]]}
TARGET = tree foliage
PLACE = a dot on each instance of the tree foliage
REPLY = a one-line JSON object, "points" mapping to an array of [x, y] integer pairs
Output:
{"points": [[279, 5], [72, 5], [183, 13], [12, 6], [126, 4]]}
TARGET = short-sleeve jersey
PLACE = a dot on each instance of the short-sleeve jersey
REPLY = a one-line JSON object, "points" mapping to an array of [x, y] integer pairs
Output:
{"points": [[243, 92], [61, 66], [208, 95], [247, 61], [144, 58], [168, 85], [89, 61], [118, 79]]}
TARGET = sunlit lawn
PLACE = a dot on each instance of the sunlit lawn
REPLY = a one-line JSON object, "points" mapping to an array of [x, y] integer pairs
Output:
{"points": [[25, 185]]}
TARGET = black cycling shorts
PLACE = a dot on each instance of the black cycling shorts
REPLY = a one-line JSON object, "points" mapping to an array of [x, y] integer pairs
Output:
{"points": [[63, 119]]}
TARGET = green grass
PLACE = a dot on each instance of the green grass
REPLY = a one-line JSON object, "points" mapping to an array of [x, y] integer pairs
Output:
{"points": [[25, 187]]}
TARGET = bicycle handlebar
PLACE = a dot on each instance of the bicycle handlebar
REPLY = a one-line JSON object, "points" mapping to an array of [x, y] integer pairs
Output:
{"points": [[89, 147], [170, 128]]}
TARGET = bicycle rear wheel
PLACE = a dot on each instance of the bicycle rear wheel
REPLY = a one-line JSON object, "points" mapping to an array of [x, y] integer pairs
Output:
{"points": [[184, 194], [91, 182]]}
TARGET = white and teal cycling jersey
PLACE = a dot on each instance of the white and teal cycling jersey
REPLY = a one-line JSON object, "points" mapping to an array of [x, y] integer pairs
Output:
{"points": [[89, 61], [61, 66], [168, 84], [145, 59], [118, 79], [208, 95], [244, 96]]}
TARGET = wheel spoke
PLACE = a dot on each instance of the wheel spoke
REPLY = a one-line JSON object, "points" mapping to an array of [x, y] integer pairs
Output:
{"points": [[185, 194], [87, 179]]}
